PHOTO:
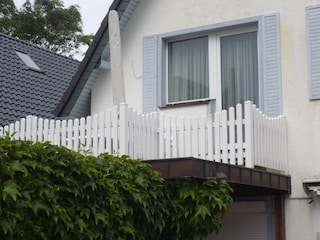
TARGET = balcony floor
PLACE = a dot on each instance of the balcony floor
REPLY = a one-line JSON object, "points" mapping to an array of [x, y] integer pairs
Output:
{"points": [[244, 181]]}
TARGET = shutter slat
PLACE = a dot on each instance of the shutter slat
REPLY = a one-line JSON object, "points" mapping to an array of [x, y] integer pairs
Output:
{"points": [[149, 101], [271, 65], [313, 35]]}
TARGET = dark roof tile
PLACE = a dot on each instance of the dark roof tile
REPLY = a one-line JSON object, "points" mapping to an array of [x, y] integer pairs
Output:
{"points": [[27, 92]]}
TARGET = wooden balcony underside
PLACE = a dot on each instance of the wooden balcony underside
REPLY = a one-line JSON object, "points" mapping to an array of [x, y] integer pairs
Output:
{"points": [[244, 181]]}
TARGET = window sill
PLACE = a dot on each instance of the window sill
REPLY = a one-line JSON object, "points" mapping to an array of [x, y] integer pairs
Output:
{"points": [[186, 103]]}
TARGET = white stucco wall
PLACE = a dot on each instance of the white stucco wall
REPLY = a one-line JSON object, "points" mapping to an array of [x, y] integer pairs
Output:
{"points": [[101, 95], [303, 116]]}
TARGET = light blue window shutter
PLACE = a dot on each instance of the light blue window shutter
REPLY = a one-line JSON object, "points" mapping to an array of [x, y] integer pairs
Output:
{"points": [[149, 85], [271, 65], [313, 37]]}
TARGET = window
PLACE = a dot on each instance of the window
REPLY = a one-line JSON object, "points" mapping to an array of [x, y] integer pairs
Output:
{"points": [[225, 63], [27, 60], [188, 70], [189, 60], [239, 69]]}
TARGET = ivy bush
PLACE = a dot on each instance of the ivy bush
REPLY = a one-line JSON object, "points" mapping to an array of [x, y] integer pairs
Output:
{"points": [[50, 192]]}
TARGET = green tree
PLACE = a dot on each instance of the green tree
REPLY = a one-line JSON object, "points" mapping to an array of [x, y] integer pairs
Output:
{"points": [[50, 192], [45, 23], [7, 12]]}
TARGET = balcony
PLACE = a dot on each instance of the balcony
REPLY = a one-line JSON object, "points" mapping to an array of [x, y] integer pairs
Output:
{"points": [[250, 140], [230, 141]]}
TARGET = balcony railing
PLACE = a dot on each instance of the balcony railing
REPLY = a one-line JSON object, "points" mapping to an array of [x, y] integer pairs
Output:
{"points": [[244, 137]]}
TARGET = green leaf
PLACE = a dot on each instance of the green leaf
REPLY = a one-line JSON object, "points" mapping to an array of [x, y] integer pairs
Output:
{"points": [[99, 217], [82, 224], [38, 205], [85, 212], [17, 166], [203, 211], [5, 226], [10, 189], [141, 180], [187, 192], [26, 194]]}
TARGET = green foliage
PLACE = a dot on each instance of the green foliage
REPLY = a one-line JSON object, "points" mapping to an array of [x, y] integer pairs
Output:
{"points": [[196, 208], [45, 23], [7, 11], [50, 192]]}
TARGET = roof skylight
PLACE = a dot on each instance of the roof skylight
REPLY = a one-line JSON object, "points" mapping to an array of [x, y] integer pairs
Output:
{"points": [[28, 61]]}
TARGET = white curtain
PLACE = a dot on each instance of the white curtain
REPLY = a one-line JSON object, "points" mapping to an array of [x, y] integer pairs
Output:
{"points": [[239, 69], [188, 75]]}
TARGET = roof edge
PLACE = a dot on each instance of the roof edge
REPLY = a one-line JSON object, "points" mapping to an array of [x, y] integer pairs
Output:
{"points": [[88, 56]]}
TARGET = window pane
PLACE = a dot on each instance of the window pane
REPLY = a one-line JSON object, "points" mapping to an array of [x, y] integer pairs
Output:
{"points": [[239, 69], [28, 61], [188, 70]]}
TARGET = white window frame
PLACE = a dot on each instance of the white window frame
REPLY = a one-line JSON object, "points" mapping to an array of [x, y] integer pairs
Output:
{"points": [[214, 55]]}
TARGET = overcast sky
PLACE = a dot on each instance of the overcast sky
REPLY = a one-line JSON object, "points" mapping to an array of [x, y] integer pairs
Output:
{"points": [[92, 12]]}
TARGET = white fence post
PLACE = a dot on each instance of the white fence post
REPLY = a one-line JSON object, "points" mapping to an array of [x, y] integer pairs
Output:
{"points": [[34, 131], [28, 127], [154, 135], [101, 133], [114, 130], [161, 136], [123, 129], [224, 136], [217, 151], [248, 134], [202, 138], [95, 135], [232, 135], [51, 131], [76, 137], [210, 137], [284, 144]]}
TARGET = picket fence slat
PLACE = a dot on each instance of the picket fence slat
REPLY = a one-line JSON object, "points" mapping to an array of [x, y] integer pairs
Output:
{"points": [[232, 150], [132, 134], [188, 137], [210, 139], [173, 138], [17, 130], [11, 128], [167, 138], [154, 136], [82, 135], [180, 136], [217, 148], [224, 137], [202, 138]]}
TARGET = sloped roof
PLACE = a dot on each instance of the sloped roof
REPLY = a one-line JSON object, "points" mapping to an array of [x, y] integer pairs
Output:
{"points": [[29, 92], [78, 93]]}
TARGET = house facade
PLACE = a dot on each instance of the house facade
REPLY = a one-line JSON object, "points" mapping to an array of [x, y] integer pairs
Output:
{"points": [[196, 58]]}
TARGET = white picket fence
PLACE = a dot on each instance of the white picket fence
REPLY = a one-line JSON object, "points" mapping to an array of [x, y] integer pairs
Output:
{"points": [[250, 139]]}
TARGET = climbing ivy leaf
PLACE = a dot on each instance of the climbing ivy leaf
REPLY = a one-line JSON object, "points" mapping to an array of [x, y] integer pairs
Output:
{"points": [[10, 189]]}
